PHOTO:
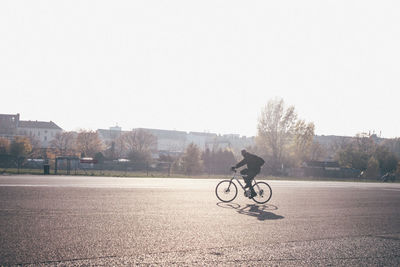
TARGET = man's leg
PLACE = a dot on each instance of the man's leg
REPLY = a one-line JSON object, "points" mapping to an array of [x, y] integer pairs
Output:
{"points": [[246, 178], [250, 176]]}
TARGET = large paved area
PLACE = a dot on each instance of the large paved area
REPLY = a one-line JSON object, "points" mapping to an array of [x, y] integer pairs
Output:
{"points": [[62, 221]]}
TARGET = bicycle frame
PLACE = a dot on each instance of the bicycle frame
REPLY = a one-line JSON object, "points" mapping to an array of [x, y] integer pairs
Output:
{"points": [[235, 177]]}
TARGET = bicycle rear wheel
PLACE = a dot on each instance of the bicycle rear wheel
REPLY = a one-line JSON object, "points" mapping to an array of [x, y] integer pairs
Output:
{"points": [[226, 190], [264, 192]]}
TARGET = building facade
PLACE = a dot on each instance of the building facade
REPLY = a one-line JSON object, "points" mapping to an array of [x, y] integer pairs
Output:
{"points": [[42, 131]]}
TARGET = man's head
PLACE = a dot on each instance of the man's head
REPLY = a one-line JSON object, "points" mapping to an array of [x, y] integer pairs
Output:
{"points": [[244, 152]]}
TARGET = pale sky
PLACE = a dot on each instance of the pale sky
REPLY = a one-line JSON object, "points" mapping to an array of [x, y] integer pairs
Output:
{"points": [[201, 65]]}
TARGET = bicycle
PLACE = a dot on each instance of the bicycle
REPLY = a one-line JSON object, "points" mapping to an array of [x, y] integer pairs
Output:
{"points": [[226, 190]]}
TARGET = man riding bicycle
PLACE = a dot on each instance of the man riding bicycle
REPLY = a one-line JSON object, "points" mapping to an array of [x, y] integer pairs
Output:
{"points": [[254, 164]]}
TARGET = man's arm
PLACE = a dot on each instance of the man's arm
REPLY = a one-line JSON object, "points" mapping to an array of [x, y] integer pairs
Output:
{"points": [[241, 163]]}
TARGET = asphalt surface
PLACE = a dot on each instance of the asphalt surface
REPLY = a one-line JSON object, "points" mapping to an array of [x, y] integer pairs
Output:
{"points": [[93, 221]]}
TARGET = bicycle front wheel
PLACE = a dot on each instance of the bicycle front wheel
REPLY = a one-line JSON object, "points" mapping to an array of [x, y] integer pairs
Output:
{"points": [[263, 191], [226, 190]]}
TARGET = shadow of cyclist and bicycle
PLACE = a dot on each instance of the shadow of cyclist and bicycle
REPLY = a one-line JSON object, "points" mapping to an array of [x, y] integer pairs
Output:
{"points": [[261, 212]]}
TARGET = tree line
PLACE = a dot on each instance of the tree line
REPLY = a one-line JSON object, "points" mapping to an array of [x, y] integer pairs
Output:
{"points": [[135, 145], [286, 141], [283, 139]]}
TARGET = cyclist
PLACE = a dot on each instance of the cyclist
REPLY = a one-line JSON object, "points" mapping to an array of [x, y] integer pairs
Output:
{"points": [[254, 164]]}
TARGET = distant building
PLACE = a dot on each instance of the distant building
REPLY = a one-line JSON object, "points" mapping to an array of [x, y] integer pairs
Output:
{"points": [[8, 125], [109, 135], [175, 142], [168, 140], [42, 131], [202, 140]]}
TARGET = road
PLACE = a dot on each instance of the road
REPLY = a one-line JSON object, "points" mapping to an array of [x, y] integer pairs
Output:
{"points": [[63, 221]]}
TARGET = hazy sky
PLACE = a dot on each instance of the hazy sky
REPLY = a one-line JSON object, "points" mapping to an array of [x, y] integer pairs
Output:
{"points": [[201, 65]]}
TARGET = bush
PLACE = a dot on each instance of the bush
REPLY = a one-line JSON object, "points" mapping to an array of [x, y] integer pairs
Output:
{"points": [[372, 170]]}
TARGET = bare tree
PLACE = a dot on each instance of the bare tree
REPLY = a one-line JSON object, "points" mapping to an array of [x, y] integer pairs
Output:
{"points": [[137, 144], [317, 151], [303, 140], [393, 145], [63, 143], [276, 127], [280, 133], [364, 143], [88, 143]]}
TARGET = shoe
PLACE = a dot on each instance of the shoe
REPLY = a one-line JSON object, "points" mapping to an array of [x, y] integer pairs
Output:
{"points": [[253, 194]]}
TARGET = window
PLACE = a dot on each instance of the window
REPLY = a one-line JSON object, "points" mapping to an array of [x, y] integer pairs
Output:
{"points": [[45, 138]]}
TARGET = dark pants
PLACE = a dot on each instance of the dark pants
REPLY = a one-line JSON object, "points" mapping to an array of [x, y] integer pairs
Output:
{"points": [[249, 175]]}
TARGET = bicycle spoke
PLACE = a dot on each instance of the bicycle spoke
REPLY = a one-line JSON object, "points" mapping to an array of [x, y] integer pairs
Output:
{"points": [[226, 191], [263, 191]]}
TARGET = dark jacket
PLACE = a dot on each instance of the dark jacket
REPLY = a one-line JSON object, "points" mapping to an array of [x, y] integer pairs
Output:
{"points": [[253, 162]]}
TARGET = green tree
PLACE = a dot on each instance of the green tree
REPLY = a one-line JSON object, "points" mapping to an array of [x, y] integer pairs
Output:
{"points": [[357, 152], [372, 170], [352, 157], [99, 157], [191, 160], [20, 147], [88, 143], [387, 160], [393, 145]]}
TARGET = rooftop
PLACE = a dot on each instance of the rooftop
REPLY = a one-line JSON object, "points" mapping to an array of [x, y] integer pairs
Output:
{"points": [[39, 124]]}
